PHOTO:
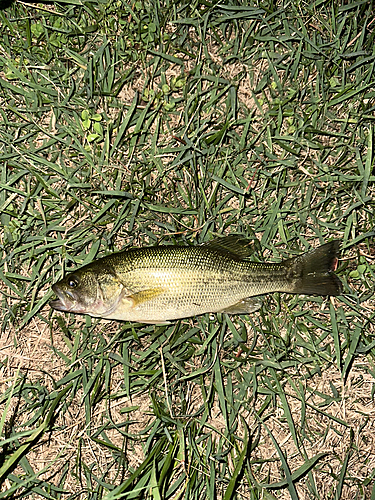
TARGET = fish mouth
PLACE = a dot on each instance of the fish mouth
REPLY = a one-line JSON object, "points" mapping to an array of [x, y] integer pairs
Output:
{"points": [[62, 303], [68, 301]]}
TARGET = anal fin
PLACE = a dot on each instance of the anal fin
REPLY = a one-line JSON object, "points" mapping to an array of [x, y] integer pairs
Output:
{"points": [[244, 306]]}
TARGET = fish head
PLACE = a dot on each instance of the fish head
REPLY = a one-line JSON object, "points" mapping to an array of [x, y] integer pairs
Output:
{"points": [[88, 291]]}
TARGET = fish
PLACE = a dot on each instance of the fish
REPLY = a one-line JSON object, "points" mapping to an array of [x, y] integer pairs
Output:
{"points": [[156, 285]]}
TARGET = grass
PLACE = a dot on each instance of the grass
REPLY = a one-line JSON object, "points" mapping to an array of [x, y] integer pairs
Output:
{"points": [[168, 121]]}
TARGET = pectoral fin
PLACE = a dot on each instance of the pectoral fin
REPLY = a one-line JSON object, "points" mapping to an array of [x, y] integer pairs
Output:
{"points": [[127, 301], [244, 306], [145, 295]]}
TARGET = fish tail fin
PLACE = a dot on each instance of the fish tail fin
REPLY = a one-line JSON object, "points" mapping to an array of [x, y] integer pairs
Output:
{"points": [[312, 273]]}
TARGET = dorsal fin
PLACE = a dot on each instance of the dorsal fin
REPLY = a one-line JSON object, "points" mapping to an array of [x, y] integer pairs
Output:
{"points": [[237, 245]]}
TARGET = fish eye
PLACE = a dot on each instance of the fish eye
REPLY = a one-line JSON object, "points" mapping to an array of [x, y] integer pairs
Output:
{"points": [[72, 282]]}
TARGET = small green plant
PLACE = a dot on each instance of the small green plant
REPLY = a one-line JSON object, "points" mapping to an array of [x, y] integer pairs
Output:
{"points": [[91, 124]]}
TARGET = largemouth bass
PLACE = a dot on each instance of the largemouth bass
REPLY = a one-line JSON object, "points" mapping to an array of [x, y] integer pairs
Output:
{"points": [[163, 283]]}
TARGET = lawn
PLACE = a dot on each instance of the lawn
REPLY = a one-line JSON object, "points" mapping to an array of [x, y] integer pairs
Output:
{"points": [[130, 123]]}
